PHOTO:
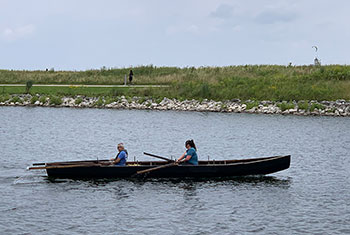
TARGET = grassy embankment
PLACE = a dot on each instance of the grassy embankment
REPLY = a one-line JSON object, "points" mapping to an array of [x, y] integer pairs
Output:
{"points": [[265, 82]]}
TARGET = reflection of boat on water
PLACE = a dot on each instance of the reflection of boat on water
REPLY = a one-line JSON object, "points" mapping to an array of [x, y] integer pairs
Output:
{"points": [[162, 169]]}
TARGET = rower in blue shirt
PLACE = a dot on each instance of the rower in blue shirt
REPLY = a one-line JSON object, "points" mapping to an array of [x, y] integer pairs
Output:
{"points": [[190, 155], [122, 156]]}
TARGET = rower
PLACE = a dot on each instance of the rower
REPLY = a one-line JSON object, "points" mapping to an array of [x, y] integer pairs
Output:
{"points": [[122, 156], [190, 155]]}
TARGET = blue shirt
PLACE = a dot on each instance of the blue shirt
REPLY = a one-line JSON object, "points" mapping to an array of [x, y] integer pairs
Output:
{"points": [[194, 158], [123, 157]]}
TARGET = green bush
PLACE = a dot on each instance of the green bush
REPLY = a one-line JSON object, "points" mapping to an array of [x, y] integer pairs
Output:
{"points": [[34, 99], [303, 105], [204, 91], [16, 99], [332, 110], [29, 85], [316, 106], [42, 99], [285, 106], [141, 100], [223, 106], [99, 102], [4, 98], [55, 100], [109, 100], [78, 101], [251, 105]]}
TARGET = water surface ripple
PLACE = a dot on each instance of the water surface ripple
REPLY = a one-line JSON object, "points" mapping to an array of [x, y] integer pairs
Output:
{"points": [[310, 197]]}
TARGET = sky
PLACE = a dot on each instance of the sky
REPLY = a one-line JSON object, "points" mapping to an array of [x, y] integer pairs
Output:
{"points": [[86, 34]]}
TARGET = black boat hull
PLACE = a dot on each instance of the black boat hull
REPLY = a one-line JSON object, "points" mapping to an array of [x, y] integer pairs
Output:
{"points": [[261, 166]]}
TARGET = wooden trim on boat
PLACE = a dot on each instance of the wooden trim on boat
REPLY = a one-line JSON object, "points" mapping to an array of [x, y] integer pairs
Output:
{"points": [[103, 163]]}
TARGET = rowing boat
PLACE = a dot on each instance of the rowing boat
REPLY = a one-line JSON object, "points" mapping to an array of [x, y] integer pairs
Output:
{"points": [[162, 169]]}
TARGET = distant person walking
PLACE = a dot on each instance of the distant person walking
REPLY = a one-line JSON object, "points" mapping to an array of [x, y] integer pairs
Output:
{"points": [[131, 75]]}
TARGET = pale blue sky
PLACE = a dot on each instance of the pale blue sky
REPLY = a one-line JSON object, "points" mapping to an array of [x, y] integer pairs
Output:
{"points": [[85, 34]]}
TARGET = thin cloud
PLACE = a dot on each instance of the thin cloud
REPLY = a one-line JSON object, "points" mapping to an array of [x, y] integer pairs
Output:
{"points": [[224, 11], [275, 16], [11, 34]]}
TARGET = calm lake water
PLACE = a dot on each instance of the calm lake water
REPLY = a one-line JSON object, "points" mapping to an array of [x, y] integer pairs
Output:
{"points": [[310, 197]]}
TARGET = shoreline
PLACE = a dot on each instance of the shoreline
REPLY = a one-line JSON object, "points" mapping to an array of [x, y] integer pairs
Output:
{"points": [[340, 108]]}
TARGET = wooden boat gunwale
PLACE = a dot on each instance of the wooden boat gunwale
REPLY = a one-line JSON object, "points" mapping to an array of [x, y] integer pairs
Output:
{"points": [[94, 163]]}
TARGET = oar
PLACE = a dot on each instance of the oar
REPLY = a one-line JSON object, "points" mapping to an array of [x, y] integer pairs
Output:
{"points": [[39, 164], [75, 162], [60, 166], [156, 168], [156, 156]]}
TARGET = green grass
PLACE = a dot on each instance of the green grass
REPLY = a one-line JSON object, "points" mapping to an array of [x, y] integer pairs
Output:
{"points": [[109, 100], [251, 105], [16, 99], [62, 91], [42, 99], [4, 97], [316, 106], [303, 105], [78, 101], [99, 102], [332, 110], [284, 106], [34, 99], [254, 82], [55, 100]]}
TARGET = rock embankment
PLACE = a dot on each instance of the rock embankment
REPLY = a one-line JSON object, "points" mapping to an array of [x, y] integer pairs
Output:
{"points": [[324, 108]]}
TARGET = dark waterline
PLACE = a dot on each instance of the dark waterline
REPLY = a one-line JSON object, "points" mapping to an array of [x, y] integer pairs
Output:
{"points": [[310, 197]]}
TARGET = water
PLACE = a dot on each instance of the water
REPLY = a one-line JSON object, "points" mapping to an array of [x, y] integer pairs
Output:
{"points": [[310, 197]]}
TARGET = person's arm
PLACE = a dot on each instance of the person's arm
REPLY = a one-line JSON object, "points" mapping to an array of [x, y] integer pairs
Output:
{"points": [[182, 157], [116, 161], [188, 157]]}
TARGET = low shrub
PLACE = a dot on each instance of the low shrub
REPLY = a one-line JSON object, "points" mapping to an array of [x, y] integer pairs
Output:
{"points": [[109, 100], [34, 99], [316, 106], [99, 102], [42, 99], [141, 100], [29, 85], [251, 105], [4, 98], [285, 106], [332, 110], [55, 100], [16, 99], [223, 106], [303, 105], [78, 101]]}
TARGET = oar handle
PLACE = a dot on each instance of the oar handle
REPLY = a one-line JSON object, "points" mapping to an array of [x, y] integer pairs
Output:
{"points": [[160, 157], [156, 168]]}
